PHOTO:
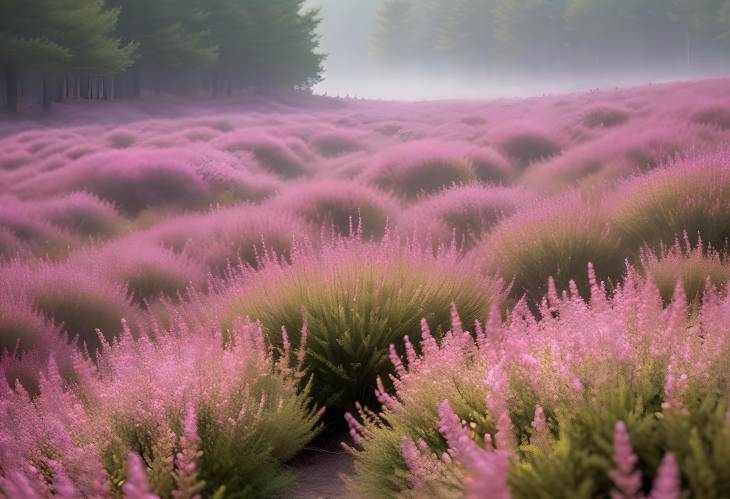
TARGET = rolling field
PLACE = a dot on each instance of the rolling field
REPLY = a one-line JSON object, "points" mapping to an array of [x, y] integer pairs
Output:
{"points": [[505, 298]]}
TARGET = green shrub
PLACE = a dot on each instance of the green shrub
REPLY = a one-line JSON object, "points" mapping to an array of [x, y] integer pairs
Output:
{"points": [[356, 303]]}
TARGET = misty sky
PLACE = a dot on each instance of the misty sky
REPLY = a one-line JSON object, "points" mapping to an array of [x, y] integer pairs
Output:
{"points": [[352, 70]]}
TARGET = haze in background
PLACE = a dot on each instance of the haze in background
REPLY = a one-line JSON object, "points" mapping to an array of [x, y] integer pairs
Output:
{"points": [[439, 49]]}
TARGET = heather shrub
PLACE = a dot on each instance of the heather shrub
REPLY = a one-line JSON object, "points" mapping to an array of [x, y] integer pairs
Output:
{"points": [[525, 145], [604, 116], [356, 300], [594, 397], [716, 116], [149, 272], [10, 245], [490, 166], [132, 179], [695, 268], [333, 144], [81, 213], [231, 236], [78, 301], [271, 153], [21, 329], [689, 196], [461, 214], [14, 161], [219, 419], [340, 206], [120, 139], [557, 239], [416, 168], [39, 236]]}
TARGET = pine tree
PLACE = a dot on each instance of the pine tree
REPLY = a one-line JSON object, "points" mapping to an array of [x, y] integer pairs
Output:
{"points": [[392, 36], [56, 36]]}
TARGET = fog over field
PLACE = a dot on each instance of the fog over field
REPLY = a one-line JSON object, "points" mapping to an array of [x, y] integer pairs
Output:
{"points": [[620, 49]]}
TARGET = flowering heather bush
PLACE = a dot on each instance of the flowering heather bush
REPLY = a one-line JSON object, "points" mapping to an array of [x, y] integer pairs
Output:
{"points": [[691, 196], [695, 267], [131, 179], [605, 116], [526, 145], [146, 271], [333, 144], [271, 153], [557, 239], [340, 205], [81, 213], [79, 301], [120, 139], [36, 234], [231, 236], [219, 418], [461, 214], [613, 397], [10, 245], [490, 166], [416, 168], [14, 161], [714, 116], [357, 299]]}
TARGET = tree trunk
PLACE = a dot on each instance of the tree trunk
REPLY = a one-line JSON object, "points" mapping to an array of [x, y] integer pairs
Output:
{"points": [[84, 87], [11, 87], [47, 91]]}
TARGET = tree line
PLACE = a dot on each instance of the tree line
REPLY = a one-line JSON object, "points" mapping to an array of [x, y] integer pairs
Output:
{"points": [[110, 49], [529, 35]]}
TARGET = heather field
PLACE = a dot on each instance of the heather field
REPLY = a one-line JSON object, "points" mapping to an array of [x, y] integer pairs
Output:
{"points": [[488, 299]]}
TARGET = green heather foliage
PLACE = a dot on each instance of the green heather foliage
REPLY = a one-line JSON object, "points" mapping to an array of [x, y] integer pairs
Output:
{"points": [[357, 300], [219, 418], [695, 268], [690, 196], [536, 407], [555, 239]]}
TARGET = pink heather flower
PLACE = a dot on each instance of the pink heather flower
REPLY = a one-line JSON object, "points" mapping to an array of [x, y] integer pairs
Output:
{"points": [[136, 486], [504, 438], [666, 484], [414, 461], [626, 478], [186, 475], [539, 423], [356, 428]]}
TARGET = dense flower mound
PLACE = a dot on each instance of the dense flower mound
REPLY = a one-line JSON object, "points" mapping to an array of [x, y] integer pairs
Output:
{"points": [[333, 144], [230, 237], [692, 196], [148, 272], [24, 230], [137, 179], [556, 238], [490, 166], [80, 302], [357, 299], [341, 206], [717, 116], [416, 168], [184, 415], [613, 396], [695, 268], [81, 213], [525, 144], [461, 214], [272, 153], [605, 116], [120, 139], [598, 164]]}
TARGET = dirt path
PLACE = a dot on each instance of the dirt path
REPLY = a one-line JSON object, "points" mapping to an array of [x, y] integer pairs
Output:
{"points": [[319, 469]]}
